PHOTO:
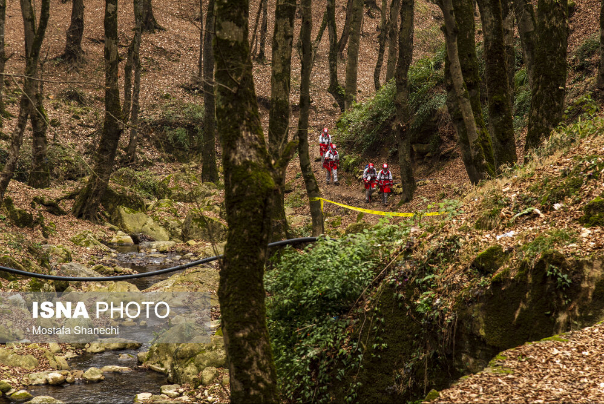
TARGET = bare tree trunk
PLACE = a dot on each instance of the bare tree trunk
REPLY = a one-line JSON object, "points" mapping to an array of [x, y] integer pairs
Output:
{"points": [[150, 24], [600, 81], [39, 177], [136, 61], [381, 46], [312, 187], [200, 60], [508, 39], [3, 59], [263, 29], [334, 87], [525, 15], [278, 127], [254, 40], [392, 38], [474, 158], [352, 59], [87, 203], [320, 33], [405, 55], [500, 110], [209, 170], [34, 36], [549, 81], [249, 186], [346, 29], [73, 46]]}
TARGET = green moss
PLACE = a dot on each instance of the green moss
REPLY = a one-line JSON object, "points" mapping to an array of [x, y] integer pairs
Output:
{"points": [[490, 260], [501, 275], [18, 217], [501, 370], [594, 213], [432, 395], [555, 338]]}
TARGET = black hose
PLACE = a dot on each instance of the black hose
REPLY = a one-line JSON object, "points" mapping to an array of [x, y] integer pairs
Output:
{"points": [[134, 276]]}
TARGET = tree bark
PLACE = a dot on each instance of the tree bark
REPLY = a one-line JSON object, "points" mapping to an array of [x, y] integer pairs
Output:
{"points": [[320, 33], [312, 187], [254, 40], [136, 61], [150, 24], [549, 81], [500, 110], [249, 186], [87, 203], [278, 126], [34, 36], [209, 170], [346, 30], [133, 53], [2, 59], [39, 177], [263, 29], [381, 46], [334, 86], [600, 81], [352, 58], [472, 151], [73, 46], [393, 34], [405, 56], [525, 15], [508, 39], [200, 59]]}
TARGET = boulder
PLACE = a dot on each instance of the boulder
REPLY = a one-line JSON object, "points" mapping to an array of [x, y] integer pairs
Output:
{"points": [[8, 358], [5, 386], [77, 270], [208, 375], [115, 369], [171, 390], [87, 239], [44, 400], [55, 378], [54, 347], [142, 397], [114, 197], [160, 246], [93, 375], [10, 262], [198, 227], [20, 396], [38, 378], [490, 260], [121, 238], [62, 363], [57, 254], [19, 217], [133, 222]]}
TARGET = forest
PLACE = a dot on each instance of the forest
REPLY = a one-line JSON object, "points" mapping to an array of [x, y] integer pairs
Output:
{"points": [[335, 201]]}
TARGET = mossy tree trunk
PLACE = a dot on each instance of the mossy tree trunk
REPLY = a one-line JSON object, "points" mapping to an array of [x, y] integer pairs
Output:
{"points": [[209, 169], [381, 46], [73, 52], [88, 200], [498, 89], [134, 50], [405, 55], [352, 58], [263, 30], [508, 39], [334, 86], [133, 54], [200, 58], [3, 59], [150, 24], [278, 124], [249, 187], [527, 25], [549, 76], [600, 81], [393, 37], [346, 29], [312, 187], [34, 36], [468, 132]]}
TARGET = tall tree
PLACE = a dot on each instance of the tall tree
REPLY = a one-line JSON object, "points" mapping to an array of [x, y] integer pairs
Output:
{"points": [[278, 123], [393, 35], [88, 201], [334, 87], [600, 81], [459, 100], [209, 170], [134, 58], [3, 58], [549, 72], [150, 24], [381, 46], [200, 59], [352, 59], [34, 36], [525, 15], [312, 187], [403, 115], [249, 177], [346, 30], [498, 88], [263, 29], [131, 59], [73, 52], [508, 39]]}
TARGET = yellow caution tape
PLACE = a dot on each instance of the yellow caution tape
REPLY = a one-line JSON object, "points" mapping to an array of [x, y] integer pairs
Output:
{"points": [[373, 212]]}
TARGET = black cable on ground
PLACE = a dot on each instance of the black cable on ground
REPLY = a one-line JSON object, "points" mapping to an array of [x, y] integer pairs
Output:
{"points": [[134, 276]]}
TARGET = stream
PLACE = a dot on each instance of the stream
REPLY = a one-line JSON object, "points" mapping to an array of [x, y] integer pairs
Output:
{"points": [[117, 388]]}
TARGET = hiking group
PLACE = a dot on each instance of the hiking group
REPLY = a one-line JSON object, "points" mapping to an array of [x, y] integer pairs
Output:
{"points": [[330, 159]]}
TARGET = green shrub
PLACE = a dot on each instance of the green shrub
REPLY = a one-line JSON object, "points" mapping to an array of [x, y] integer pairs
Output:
{"points": [[310, 294], [582, 57]]}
